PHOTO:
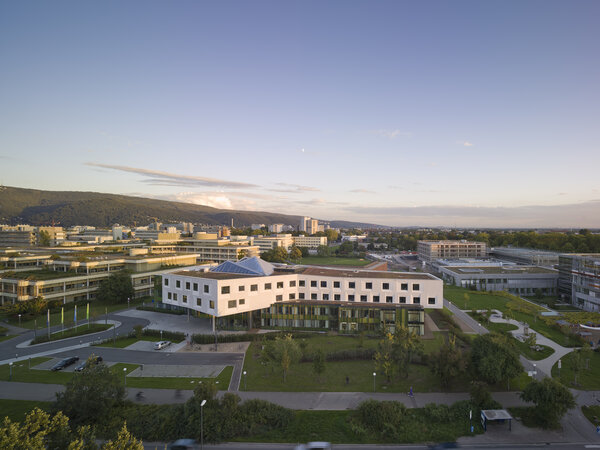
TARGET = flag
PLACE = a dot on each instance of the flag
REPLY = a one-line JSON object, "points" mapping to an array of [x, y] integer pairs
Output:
{"points": [[48, 320], [62, 315], [88, 311], [75, 316]]}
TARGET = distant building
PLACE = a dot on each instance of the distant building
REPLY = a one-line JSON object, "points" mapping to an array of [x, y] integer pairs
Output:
{"points": [[257, 226], [526, 256], [276, 228], [579, 279], [353, 237], [266, 243], [429, 251], [310, 226], [309, 241], [304, 224]]}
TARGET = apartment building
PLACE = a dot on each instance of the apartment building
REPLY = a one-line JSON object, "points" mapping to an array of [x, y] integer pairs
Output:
{"points": [[311, 226], [29, 236], [276, 228], [579, 280], [309, 241], [429, 251], [218, 249], [266, 243], [254, 293]]}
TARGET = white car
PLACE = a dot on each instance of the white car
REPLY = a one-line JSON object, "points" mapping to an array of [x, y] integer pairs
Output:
{"points": [[161, 344], [314, 446]]}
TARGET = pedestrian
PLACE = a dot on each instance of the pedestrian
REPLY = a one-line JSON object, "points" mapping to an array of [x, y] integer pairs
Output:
{"points": [[410, 393], [347, 380]]}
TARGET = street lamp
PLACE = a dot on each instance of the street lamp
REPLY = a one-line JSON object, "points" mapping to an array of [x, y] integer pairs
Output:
{"points": [[374, 375], [245, 382], [127, 302], [202, 424], [10, 371], [161, 335], [19, 319], [471, 419], [125, 375]]}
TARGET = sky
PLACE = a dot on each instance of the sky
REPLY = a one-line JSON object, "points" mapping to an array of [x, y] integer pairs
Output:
{"points": [[421, 113]]}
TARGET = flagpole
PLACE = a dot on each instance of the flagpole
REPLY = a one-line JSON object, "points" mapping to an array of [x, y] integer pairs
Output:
{"points": [[48, 323], [75, 316], [88, 314], [62, 319]]}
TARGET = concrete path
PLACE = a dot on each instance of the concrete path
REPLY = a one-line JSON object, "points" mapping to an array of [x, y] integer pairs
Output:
{"points": [[465, 318]]}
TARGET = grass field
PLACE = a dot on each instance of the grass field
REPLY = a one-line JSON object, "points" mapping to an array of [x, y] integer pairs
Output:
{"points": [[335, 261], [592, 413], [127, 341], [588, 379], [222, 379], [7, 337], [22, 373], [16, 410], [81, 330]]}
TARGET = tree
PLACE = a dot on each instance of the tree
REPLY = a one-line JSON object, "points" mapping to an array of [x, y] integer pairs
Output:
{"points": [[304, 251], [323, 250], [283, 351], [448, 362], [406, 345], [91, 395], [552, 401], [277, 255], [44, 238], [117, 288], [493, 359], [295, 253], [332, 235], [384, 356], [319, 362], [125, 441]]}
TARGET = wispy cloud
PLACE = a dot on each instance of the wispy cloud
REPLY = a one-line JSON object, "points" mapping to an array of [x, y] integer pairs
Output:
{"points": [[293, 188], [465, 143], [159, 178], [392, 134], [362, 191]]}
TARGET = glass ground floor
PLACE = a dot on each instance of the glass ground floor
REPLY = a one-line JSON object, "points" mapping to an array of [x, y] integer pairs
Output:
{"points": [[326, 317]]}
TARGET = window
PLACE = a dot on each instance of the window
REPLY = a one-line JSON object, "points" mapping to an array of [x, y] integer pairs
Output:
{"points": [[206, 288], [292, 296], [198, 301], [313, 296], [402, 299], [293, 283], [325, 296], [166, 281], [431, 300], [404, 286], [184, 298], [323, 283], [369, 285], [196, 287], [363, 298], [351, 285], [351, 298], [224, 289], [278, 298], [376, 298], [301, 295], [241, 288], [242, 301], [416, 287], [178, 284], [254, 287], [313, 283], [211, 304], [169, 295], [232, 303], [187, 285], [416, 300], [280, 285], [267, 286], [302, 283], [389, 299], [386, 286], [336, 284], [174, 296], [337, 297]]}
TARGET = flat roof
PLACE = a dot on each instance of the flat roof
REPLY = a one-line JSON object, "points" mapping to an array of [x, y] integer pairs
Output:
{"points": [[510, 270], [496, 414], [215, 275], [326, 272]]}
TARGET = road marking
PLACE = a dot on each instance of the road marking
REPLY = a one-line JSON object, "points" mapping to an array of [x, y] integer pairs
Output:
{"points": [[592, 446]]}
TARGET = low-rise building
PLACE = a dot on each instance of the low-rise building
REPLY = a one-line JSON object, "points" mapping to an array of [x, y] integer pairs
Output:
{"points": [[309, 241], [429, 251], [579, 280], [526, 256]]}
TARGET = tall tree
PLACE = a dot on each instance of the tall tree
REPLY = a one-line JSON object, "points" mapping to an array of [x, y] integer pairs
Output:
{"points": [[117, 288], [406, 345], [448, 362], [493, 359], [552, 401], [283, 351], [384, 356]]}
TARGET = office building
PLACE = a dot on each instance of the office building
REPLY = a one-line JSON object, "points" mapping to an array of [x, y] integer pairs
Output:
{"points": [[429, 251], [579, 280], [526, 256]]}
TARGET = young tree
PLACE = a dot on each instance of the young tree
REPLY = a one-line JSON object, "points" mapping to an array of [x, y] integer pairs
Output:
{"points": [[384, 356], [319, 362], [448, 362], [284, 351], [295, 253], [125, 441], [117, 288], [552, 401], [406, 345], [44, 239]]}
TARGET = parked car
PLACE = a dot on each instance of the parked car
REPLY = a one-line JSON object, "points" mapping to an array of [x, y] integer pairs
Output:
{"points": [[183, 444], [161, 344], [314, 446], [92, 361], [64, 363]]}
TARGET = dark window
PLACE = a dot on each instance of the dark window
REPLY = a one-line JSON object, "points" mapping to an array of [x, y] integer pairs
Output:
{"points": [[313, 283], [416, 287], [313, 296], [323, 283], [431, 300], [242, 301], [351, 284], [402, 299], [206, 288], [336, 284], [174, 296], [224, 289], [280, 285], [232, 303], [302, 283], [196, 287], [363, 298], [278, 298], [386, 286], [293, 283], [376, 298], [187, 285], [184, 298], [166, 281], [292, 296], [337, 297], [169, 295], [369, 285], [267, 286], [416, 300], [198, 301], [254, 287], [301, 295], [178, 284], [404, 286], [325, 296], [211, 304], [241, 288], [389, 299], [351, 298]]}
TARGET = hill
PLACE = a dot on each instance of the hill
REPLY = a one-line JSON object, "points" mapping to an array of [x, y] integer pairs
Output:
{"points": [[68, 208]]}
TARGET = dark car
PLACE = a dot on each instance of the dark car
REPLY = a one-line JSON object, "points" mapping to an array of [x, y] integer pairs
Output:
{"points": [[184, 444], [92, 360], [64, 363]]}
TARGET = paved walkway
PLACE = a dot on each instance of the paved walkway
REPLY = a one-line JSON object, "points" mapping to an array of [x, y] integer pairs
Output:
{"points": [[465, 318]]}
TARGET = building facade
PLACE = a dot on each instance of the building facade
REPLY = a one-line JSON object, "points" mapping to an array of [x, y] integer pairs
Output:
{"points": [[429, 251], [579, 280]]}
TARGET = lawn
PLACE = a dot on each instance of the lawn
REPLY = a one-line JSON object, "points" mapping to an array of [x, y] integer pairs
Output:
{"points": [[7, 337], [334, 261], [123, 342], [533, 355], [16, 410], [81, 330], [22, 373], [222, 379], [592, 413], [588, 379]]}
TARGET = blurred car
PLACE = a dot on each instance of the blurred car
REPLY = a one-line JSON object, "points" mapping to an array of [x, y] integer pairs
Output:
{"points": [[92, 361], [314, 446], [161, 344], [64, 363], [183, 444]]}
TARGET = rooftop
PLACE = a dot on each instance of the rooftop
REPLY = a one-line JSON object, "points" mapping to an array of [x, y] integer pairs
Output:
{"points": [[327, 272], [506, 270]]}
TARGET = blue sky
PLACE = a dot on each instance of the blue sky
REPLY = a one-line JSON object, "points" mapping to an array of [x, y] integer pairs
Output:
{"points": [[482, 113]]}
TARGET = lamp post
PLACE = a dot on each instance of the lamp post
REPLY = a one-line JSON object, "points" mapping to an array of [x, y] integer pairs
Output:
{"points": [[374, 375], [125, 375], [19, 319], [245, 382], [471, 419], [127, 302], [202, 424], [161, 335], [559, 366], [10, 371]]}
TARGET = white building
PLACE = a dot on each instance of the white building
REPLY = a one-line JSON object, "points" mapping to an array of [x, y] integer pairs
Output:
{"points": [[309, 241], [276, 228]]}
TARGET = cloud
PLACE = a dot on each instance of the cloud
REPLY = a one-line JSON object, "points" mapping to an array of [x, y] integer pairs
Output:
{"points": [[391, 134], [465, 143], [295, 188], [159, 178], [362, 191]]}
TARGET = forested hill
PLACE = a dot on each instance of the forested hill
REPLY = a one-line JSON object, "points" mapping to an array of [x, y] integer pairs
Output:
{"points": [[68, 208]]}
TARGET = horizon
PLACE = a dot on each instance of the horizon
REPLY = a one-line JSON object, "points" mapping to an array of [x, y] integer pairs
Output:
{"points": [[467, 114]]}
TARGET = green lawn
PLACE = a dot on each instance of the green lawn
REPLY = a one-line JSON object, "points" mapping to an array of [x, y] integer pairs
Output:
{"points": [[81, 330], [22, 373], [7, 337], [336, 261], [16, 410], [592, 413], [123, 342], [222, 379], [533, 355], [587, 379]]}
